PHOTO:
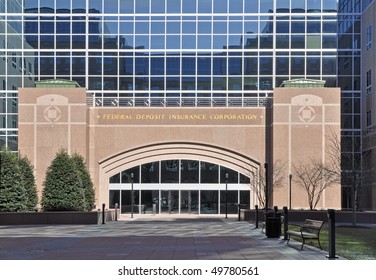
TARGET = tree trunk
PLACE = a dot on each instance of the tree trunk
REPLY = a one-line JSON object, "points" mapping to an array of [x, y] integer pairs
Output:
{"points": [[354, 192]]}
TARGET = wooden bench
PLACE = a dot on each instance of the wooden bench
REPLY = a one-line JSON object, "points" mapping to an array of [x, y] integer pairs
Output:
{"points": [[308, 231]]}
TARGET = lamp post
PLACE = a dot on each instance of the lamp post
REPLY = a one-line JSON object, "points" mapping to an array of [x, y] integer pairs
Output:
{"points": [[290, 178], [226, 192], [132, 198], [266, 186]]}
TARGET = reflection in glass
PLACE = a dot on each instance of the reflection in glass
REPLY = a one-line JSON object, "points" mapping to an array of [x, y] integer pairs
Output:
{"points": [[232, 201], [209, 172], [170, 171], [209, 202]]}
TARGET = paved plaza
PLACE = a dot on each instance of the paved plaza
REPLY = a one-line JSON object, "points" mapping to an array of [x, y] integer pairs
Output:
{"points": [[147, 237]]}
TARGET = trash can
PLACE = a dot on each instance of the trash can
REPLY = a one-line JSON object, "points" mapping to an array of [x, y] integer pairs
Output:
{"points": [[273, 225]]}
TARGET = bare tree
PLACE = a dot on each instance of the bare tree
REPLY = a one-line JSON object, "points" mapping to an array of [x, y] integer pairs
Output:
{"points": [[259, 182], [314, 177], [348, 167]]}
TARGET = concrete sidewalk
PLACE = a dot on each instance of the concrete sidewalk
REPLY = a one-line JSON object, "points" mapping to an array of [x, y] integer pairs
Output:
{"points": [[147, 237]]}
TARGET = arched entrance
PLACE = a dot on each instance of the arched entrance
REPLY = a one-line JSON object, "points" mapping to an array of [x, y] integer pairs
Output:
{"points": [[178, 178]]}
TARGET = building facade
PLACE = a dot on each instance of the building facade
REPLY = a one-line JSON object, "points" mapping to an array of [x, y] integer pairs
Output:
{"points": [[185, 160], [181, 54]]}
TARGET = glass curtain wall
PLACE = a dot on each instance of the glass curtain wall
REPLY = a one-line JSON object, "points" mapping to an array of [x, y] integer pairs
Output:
{"points": [[204, 53]]}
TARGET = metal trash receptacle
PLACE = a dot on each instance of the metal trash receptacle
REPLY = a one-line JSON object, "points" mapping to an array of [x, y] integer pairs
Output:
{"points": [[273, 225]]}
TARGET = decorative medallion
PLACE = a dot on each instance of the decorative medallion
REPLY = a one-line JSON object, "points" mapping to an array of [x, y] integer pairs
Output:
{"points": [[306, 114], [52, 114]]}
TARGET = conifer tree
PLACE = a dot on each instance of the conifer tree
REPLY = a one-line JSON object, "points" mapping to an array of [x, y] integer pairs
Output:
{"points": [[87, 183], [63, 189], [12, 191], [28, 180]]}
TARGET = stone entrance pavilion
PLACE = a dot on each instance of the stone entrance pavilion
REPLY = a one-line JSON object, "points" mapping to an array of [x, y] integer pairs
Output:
{"points": [[179, 157]]}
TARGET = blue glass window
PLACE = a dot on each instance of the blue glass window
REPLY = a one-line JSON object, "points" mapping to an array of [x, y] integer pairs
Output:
{"points": [[110, 27], [127, 6], [251, 66], [142, 83], [220, 6], [173, 27], [78, 27], [142, 65], [173, 6], [314, 6], [78, 6], [47, 6], [204, 27], [282, 27], [31, 27], [329, 65], [157, 83], [111, 6], [188, 65], [205, 6], [95, 6], [283, 6], [219, 65], [203, 83], [47, 42], [142, 27], [297, 26], [95, 27], [157, 42], [189, 27], [297, 66], [142, 42], [204, 66], [235, 27], [235, 66], [297, 41], [47, 27], [189, 42], [30, 6], [251, 6], [126, 27], [62, 65], [204, 42], [266, 66], [219, 41], [157, 6], [63, 42], [188, 83], [236, 6], [78, 65], [313, 65], [172, 41], [157, 27], [266, 6], [266, 42], [298, 6], [329, 27], [313, 27], [173, 66], [220, 27], [329, 6], [172, 83], [142, 6], [189, 6], [282, 41], [62, 7], [329, 41], [282, 66]]}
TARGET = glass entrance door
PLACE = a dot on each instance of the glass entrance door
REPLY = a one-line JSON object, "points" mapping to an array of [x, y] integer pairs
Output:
{"points": [[170, 202], [189, 202]]}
